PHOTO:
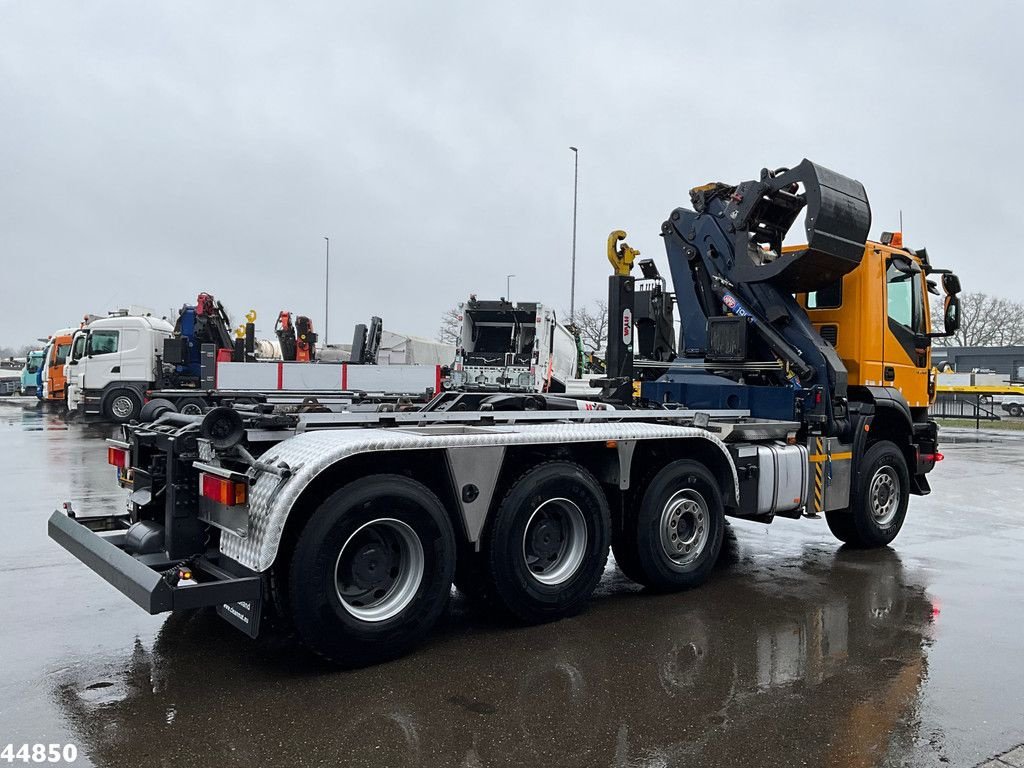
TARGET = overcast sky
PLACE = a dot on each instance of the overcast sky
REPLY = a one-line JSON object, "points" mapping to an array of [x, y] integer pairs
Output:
{"points": [[149, 151]]}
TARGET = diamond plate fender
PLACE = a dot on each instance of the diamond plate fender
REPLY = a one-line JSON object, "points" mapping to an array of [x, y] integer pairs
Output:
{"points": [[272, 498]]}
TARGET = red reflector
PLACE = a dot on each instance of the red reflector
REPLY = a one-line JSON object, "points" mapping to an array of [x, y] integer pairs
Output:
{"points": [[118, 457], [936, 457], [222, 490]]}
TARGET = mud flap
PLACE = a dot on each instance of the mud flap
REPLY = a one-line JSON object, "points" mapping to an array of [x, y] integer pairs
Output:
{"points": [[243, 615]]}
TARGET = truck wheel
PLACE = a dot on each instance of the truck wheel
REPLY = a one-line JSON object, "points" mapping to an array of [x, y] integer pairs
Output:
{"points": [[1014, 410], [548, 543], [878, 499], [121, 406], [193, 406], [672, 540], [372, 570]]}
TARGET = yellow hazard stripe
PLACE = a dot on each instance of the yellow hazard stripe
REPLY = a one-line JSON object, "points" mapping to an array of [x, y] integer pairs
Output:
{"points": [[820, 457], [819, 471]]}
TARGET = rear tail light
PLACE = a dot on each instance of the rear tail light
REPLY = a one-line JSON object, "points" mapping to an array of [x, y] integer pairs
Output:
{"points": [[117, 457], [934, 457], [230, 493]]}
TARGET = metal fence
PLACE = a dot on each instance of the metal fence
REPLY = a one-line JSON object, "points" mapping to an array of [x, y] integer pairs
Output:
{"points": [[977, 408]]}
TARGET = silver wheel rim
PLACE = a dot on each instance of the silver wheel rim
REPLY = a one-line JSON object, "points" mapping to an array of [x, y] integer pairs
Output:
{"points": [[884, 493], [191, 409], [684, 526], [555, 541], [122, 406], [379, 570]]}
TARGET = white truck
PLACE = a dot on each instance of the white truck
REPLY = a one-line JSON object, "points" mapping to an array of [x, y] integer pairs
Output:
{"points": [[113, 362], [116, 365], [509, 346]]}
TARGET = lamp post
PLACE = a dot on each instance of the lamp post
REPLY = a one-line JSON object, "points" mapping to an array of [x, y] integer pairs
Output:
{"points": [[327, 290], [508, 287], [575, 198]]}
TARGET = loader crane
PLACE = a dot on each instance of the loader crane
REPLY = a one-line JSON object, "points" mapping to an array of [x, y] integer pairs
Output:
{"points": [[799, 388]]}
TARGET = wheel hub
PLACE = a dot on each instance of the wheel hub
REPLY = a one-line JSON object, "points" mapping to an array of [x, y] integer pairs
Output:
{"points": [[555, 541], [684, 526], [547, 539], [884, 495], [372, 566], [379, 569]]}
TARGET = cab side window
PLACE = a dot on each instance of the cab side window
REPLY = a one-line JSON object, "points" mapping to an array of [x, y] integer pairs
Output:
{"points": [[903, 292], [78, 348], [102, 342], [829, 297]]}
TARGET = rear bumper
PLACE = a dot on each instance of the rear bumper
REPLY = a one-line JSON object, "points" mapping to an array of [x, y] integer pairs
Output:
{"points": [[97, 542]]}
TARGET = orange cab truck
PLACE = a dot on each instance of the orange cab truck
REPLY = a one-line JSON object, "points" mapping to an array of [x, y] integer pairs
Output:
{"points": [[54, 381]]}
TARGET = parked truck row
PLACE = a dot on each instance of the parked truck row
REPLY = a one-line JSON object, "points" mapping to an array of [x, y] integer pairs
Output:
{"points": [[798, 386]]}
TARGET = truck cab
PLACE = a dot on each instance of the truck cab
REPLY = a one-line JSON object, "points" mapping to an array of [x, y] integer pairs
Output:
{"points": [[30, 372], [112, 363], [513, 346], [57, 351], [882, 336]]}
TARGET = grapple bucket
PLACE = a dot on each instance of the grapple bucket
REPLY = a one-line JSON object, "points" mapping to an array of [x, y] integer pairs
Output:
{"points": [[837, 221]]}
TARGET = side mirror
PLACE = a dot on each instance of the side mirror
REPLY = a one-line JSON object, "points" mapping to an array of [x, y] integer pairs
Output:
{"points": [[951, 284], [951, 312]]}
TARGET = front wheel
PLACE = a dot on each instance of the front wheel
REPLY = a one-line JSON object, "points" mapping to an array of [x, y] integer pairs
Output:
{"points": [[372, 570], [672, 540], [122, 406], [1015, 410], [878, 499]]}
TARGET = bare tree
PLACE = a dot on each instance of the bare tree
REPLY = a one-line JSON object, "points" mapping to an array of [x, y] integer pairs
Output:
{"points": [[985, 321], [450, 331], [592, 323]]}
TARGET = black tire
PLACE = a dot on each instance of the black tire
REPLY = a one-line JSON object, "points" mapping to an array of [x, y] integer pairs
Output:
{"points": [[547, 545], [1015, 410], [385, 610], [685, 500], [877, 508], [122, 406], [192, 406]]}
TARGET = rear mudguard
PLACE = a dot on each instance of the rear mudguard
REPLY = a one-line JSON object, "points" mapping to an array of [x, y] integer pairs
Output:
{"points": [[272, 498]]}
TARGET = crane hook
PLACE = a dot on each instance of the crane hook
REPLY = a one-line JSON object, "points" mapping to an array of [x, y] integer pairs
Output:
{"points": [[621, 258]]}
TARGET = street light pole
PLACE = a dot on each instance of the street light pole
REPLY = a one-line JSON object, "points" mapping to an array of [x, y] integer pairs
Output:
{"points": [[327, 290], [575, 197], [508, 287]]}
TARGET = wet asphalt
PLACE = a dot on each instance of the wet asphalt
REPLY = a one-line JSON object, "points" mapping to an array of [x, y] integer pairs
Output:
{"points": [[797, 653]]}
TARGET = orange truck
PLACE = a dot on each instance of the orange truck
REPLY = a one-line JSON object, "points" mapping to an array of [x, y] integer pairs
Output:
{"points": [[56, 353]]}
